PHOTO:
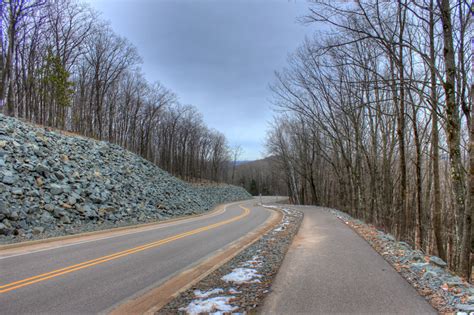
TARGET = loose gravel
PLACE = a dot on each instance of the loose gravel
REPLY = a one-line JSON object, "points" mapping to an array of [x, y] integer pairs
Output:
{"points": [[240, 285]]}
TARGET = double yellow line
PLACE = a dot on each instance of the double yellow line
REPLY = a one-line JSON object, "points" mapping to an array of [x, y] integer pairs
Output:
{"points": [[86, 264]]}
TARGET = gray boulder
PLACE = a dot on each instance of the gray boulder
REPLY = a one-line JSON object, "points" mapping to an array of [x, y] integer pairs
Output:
{"points": [[56, 189], [38, 230], [465, 307], [3, 229], [438, 261]]}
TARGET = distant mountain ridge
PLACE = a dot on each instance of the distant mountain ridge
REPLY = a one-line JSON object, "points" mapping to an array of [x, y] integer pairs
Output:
{"points": [[238, 163]]}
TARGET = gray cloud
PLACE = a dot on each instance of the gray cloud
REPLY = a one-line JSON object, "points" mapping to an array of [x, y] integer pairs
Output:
{"points": [[217, 55]]}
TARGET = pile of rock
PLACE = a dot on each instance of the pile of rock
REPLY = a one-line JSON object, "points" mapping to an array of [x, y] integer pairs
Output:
{"points": [[52, 184]]}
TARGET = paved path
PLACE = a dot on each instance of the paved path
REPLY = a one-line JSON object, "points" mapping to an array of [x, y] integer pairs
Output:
{"points": [[94, 276], [329, 269]]}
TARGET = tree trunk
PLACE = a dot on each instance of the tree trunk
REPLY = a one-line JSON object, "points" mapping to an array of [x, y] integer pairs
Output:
{"points": [[437, 226], [453, 138]]}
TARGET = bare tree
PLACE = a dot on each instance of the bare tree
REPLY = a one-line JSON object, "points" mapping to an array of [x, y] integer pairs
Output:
{"points": [[377, 96], [62, 66]]}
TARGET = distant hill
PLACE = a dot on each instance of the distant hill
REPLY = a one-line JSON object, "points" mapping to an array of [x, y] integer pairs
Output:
{"points": [[260, 177], [238, 163]]}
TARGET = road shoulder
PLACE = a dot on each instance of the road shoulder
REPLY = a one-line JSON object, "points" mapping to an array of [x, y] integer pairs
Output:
{"points": [[155, 299], [240, 284]]}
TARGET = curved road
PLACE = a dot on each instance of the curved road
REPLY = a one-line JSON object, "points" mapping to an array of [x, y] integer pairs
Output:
{"points": [[96, 275]]}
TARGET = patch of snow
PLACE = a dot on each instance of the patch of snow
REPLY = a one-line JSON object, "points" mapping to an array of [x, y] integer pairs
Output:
{"points": [[282, 225], [242, 275], [234, 291], [256, 261], [285, 221], [279, 229], [461, 313], [205, 294], [215, 304]]}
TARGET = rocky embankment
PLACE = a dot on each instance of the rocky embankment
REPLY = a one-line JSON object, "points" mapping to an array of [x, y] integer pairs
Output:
{"points": [[52, 184]]}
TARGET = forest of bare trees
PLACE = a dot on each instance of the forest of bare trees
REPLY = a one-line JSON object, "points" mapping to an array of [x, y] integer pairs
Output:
{"points": [[375, 118], [261, 177], [374, 111], [62, 66]]}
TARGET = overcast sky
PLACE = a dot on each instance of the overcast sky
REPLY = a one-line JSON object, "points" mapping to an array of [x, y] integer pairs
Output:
{"points": [[218, 55]]}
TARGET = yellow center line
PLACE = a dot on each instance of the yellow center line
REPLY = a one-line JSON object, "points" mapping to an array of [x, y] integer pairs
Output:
{"points": [[120, 234], [58, 272]]}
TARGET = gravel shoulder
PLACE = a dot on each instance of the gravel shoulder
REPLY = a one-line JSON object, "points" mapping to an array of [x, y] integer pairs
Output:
{"points": [[241, 284]]}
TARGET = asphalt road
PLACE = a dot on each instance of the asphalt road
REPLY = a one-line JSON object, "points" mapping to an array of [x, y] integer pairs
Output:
{"points": [[329, 269], [97, 275]]}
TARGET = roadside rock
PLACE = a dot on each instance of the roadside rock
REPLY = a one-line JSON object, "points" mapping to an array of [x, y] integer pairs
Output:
{"points": [[3, 228], [55, 189], [38, 230], [438, 261], [49, 181], [8, 178], [465, 307]]}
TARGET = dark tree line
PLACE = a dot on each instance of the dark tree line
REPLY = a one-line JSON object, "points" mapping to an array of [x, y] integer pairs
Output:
{"points": [[261, 177], [63, 67], [375, 118]]}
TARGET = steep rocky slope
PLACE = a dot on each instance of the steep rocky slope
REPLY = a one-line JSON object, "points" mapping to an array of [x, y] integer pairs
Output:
{"points": [[53, 184]]}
